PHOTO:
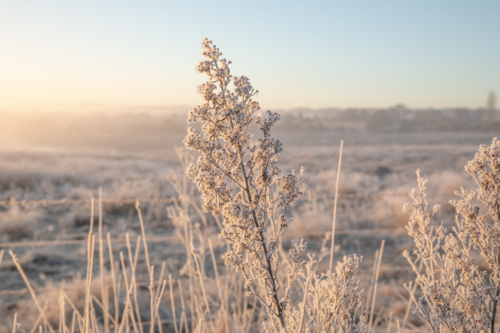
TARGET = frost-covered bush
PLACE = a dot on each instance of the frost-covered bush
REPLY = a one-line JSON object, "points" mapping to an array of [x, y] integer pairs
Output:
{"points": [[241, 183], [458, 293]]}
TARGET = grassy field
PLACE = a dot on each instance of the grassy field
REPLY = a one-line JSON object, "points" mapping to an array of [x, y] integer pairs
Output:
{"points": [[46, 186]]}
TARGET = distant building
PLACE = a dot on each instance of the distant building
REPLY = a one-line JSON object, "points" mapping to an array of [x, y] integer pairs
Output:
{"points": [[489, 112]]}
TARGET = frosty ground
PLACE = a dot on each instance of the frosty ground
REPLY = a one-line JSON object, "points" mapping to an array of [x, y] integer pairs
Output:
{"points": [[378, 170]]}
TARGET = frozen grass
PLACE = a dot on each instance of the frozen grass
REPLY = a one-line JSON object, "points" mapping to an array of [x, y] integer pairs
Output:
{"points": [[17, 223], [312, 214]]}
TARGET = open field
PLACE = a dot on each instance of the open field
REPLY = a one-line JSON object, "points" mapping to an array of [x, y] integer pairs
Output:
{"points": [[46, 183]]}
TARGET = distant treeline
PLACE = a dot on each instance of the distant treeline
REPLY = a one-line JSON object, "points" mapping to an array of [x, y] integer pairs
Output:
{"points": [[402, 120], [396, 119]]}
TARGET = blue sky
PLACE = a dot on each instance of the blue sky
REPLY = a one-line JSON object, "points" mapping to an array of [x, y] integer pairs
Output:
{"points": [[69, 55]]}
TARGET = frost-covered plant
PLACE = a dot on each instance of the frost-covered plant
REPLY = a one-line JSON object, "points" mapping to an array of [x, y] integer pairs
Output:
{"points": [[241, 183], [252, 208], [457, 293], [338, 304]]}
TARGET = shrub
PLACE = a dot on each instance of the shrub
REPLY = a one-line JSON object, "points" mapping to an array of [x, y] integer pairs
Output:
{"points": [[457, 292], [241, 183]]}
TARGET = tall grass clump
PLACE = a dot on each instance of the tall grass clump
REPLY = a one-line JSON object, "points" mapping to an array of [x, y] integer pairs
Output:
{"points": [[241, 184], [460, 277]]}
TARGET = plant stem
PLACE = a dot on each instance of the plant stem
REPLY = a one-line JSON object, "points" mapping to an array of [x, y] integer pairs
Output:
{"points": [[263, 243], [335, 207], [376, 282]]}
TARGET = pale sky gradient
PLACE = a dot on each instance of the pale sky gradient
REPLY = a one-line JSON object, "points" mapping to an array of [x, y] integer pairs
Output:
{"points": [[68, 55]]}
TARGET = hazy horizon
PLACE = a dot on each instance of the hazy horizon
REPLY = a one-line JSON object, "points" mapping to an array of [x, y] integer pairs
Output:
{"points": [[177, 109]]}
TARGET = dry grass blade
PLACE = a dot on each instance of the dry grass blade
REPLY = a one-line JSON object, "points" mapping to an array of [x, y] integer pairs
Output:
{"points": [[372, 279], [172, 303], [73, 320], [113, 278], [104, 293], [127, 286], [332, 250], [90, 264], [126, 309], [95, 327], [32, 292], [143, 232], [88, 284], [152, 301], [110, 317], [408, 308], [158, 301], [183, 307], [160, 279], [376, 283], [40, 318], [133, 265], [14, 324], [204, 294], [219, 288], [62, 313], [75, 310]]}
